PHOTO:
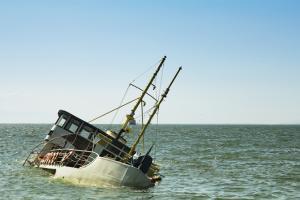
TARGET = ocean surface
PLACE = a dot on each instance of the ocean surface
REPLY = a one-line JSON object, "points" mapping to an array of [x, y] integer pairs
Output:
{"points": [[197, 161]]}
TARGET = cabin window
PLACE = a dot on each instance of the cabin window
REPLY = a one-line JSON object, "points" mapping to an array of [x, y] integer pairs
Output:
{"points": [[85, 132], [73, 126], [61, 122]]}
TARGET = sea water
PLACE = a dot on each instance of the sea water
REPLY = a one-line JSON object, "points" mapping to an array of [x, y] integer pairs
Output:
{"points": [[197, 162]]}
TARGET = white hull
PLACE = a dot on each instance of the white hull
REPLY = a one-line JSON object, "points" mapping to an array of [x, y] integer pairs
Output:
{"points": [[101, 171]]}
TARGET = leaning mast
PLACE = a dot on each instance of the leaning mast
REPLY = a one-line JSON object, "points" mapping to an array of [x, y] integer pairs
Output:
{"points": [[131, 115], [164, 95]]}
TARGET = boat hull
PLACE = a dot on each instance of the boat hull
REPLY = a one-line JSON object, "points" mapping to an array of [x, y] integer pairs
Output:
{"points": [[102, 171]]}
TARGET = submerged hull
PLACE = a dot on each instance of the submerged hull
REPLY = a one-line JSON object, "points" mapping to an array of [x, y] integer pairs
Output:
{"points": [[102, 171]]}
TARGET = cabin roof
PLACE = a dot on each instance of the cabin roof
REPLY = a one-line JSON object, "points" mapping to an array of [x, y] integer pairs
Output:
{"points": [[63, 112]]}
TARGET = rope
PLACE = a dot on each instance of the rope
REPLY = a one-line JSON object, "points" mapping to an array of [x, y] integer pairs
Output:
{"points": [[116, 113], [147, 70], [161, 79], [113, 110], [143, 139], [157, 114], [156, 134], [117, 109], [147, 111]]}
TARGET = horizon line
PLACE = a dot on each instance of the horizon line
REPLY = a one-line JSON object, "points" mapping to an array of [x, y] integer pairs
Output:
{"points": [[47, 123]]}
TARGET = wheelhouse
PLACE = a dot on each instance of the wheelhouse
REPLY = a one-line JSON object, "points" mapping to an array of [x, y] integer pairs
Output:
{"points": [[71, 132]]}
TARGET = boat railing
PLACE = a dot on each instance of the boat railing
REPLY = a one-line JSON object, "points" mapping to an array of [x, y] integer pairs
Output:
{"points": [[67, 157], [119, 154], [37, 150], [114, 152]]}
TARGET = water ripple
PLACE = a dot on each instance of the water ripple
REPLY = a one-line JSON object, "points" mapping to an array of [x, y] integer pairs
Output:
{"points": [[198, 162]]}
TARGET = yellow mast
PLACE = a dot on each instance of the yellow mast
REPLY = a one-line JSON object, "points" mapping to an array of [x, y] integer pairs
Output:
{"points": [[130, 116], [164, 95]]}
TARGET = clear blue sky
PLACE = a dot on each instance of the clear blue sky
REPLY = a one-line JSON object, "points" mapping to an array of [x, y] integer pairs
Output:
{"points": [[241, 59]]}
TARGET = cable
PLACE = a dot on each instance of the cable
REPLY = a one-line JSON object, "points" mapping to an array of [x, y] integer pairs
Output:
{"points": [[113, 110], [147, 70], [116, 113]]}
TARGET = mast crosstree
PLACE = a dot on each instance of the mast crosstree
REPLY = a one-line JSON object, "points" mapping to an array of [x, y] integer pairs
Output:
{"points": [[163, 96], [131, 115], [76, 150]]}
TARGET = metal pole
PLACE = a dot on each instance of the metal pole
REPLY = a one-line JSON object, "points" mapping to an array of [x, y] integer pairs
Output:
{"points": [[153, 113], [130, 116]]}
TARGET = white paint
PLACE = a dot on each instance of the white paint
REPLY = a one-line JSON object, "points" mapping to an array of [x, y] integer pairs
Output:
{"points": [[103, 170]]}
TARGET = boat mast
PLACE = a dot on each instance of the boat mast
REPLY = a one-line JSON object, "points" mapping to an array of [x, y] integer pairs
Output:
{"points": [[130, 116], [164, 95]]}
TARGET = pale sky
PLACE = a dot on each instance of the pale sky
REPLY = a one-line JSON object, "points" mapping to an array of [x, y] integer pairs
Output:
{"points": [[241, 59]]}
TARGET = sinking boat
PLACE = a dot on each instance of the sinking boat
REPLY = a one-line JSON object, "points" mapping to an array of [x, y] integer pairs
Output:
{"points": [[76, 150]]}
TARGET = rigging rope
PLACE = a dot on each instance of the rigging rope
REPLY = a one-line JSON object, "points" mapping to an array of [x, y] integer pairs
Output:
{"points": [[161, 79], [147, 70], [113, 110], [147, 111], [157, 92], [124, 97], [116, 113], [143, 139], [157, 114]]}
